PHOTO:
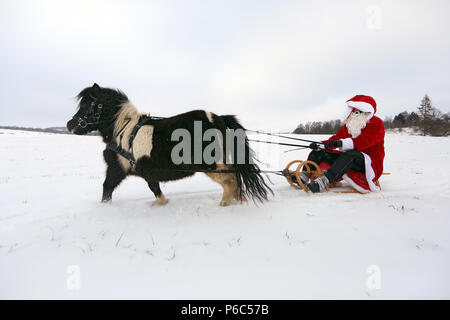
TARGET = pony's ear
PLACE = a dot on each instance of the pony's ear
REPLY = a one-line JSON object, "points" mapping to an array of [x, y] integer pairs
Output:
{"points": [[96, 87], [95, 90]]}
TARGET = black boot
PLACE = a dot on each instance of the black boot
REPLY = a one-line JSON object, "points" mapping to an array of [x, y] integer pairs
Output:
{"points": [[318, 185], [304, 176]]}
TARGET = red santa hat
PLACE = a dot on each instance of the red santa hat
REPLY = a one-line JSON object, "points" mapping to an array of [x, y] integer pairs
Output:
{"points": [[362, 103]]}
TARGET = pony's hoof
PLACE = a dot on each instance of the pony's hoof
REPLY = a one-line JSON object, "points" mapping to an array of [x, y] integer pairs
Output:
{"points": [[106, 200], [224, 203], [161, 201]]}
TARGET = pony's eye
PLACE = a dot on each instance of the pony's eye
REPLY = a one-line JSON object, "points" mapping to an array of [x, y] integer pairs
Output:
{"points": [[100, 106], [357, 112]]}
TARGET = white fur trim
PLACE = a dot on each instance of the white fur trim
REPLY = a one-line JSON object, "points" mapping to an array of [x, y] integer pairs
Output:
{"points": [[370, 174], [360, 105], [347, 144], [354, 185]]}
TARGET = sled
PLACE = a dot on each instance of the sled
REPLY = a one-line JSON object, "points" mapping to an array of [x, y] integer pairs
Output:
{"points": [[288, 173]]}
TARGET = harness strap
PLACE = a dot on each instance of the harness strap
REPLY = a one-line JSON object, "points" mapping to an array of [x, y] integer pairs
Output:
{"points": [[117, 149], [136, 129]]}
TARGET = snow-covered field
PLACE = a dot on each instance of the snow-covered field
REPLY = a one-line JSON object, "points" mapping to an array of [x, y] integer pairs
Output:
{"points": [[58, 241]]}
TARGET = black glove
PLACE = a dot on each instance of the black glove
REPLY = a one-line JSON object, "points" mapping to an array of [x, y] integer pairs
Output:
{"points": [[314, 146], [334, 144]]}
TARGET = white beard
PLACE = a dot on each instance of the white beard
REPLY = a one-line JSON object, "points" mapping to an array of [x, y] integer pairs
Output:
{"points": [[356, 122]]}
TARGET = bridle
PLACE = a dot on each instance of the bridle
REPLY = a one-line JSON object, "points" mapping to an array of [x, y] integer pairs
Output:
{"points": [[95, 113]]}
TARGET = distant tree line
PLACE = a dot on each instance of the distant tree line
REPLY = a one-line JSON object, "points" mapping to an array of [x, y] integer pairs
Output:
{"points": [[319, 127], [428, 120]]}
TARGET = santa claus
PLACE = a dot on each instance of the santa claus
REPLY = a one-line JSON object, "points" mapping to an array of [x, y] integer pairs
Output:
{"points": [[359, 160]]}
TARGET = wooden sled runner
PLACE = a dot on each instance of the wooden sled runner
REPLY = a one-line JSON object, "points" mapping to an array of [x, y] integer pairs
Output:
{"points": [[288, 173]]}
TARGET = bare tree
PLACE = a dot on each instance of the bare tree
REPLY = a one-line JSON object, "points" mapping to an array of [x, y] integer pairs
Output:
{"points": [[426, 113]]}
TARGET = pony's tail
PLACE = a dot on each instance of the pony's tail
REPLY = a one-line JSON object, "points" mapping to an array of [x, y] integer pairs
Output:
{"points": [[249, 179]]}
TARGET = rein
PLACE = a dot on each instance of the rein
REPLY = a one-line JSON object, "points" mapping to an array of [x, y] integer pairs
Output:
{"points": [[280, 143], [113, 146], [282, 136]]}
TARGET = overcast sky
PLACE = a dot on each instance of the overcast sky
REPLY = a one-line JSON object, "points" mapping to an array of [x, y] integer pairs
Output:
{"points": [[272, 63]]}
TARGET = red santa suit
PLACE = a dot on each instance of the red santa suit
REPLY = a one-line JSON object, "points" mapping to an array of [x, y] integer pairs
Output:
{"points": [[370, 142]]}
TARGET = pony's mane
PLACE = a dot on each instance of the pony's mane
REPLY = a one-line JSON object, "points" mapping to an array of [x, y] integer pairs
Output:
{"points": [[116, 96], [110, 93]]}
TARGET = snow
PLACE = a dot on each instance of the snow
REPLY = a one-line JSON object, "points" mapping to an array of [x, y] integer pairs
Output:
{"points": [[58, 241]]}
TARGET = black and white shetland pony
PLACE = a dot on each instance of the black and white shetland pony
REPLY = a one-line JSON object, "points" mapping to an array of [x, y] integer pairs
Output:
{"points": [[111, 113]]}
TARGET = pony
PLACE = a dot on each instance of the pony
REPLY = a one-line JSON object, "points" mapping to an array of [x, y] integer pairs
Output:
{"points": [[140, 145]]}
